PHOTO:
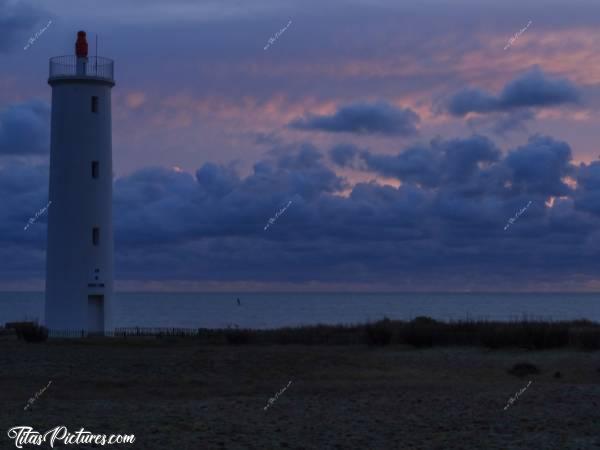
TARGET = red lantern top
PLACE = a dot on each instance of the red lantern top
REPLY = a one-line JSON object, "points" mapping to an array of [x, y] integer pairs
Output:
{"points": [[81, 46]]}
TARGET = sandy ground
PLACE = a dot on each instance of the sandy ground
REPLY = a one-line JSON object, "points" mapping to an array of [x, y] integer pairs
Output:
{"points": [[183, 395]]}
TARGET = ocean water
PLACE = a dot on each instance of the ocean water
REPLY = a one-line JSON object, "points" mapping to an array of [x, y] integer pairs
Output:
{"points": [[271, 310]]}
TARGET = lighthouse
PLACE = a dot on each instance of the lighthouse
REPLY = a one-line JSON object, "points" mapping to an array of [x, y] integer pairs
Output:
{"points": [[79, 257]]}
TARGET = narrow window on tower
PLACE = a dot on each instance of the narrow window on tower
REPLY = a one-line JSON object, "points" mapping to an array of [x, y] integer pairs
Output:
{"points": [[96, 235], [95, 169], [94, 104]]}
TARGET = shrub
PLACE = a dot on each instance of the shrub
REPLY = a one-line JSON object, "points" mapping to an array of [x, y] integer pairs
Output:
{"points": [[29, 331], [379, 333], [530, 335], [237, 337], [424, 332], [419, 332], [587, 338], [424, 320], [523, 368], [7, 333], [35, 334]]}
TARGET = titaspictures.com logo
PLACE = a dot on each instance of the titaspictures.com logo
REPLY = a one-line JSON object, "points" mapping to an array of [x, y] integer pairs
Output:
{"points": [[24, 435]]}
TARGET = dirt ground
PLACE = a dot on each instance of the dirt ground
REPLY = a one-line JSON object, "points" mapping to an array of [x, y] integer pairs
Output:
{"points": [[177, 394]]}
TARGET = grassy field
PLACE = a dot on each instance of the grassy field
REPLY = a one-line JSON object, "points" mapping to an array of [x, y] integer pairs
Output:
{"points": [[421, 332], [203, 393]]}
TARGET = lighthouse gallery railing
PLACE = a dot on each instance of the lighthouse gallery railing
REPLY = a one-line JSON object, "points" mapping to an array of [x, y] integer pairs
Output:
{"points": [[92, 66]]}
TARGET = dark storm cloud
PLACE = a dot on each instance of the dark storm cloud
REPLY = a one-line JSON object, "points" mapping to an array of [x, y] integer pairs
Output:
{"points": [[540, 166], [440, 162], [216, 180], [532, 89], [25, 129], [364, 118], [344, 155], [24, 191], [474, 167], [218, 201], [588, 188], [447, 217], [17, 20]]}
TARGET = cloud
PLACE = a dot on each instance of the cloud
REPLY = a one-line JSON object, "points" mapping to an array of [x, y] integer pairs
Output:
{"points": [[25, 129], [364, 118], [475, 165], [24, 191], [216, 180], [135, 99], [218, 200], [344, 155], [446, 217], [16, 20], [532, 89], [440, 162], [512, 121], [540, 166], [588, 188]]}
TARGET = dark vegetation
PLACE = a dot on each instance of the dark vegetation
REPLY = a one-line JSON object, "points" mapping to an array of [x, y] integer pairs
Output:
{"points": [[523, 369], [422, 332], [28, 331]]}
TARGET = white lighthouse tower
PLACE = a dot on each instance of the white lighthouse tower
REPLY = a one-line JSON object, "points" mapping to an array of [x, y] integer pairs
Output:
{"points": [[79, 261]]}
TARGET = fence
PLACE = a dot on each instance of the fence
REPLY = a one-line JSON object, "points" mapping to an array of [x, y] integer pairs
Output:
{"points": [[72, 66], [157, 331], [126, 332]]}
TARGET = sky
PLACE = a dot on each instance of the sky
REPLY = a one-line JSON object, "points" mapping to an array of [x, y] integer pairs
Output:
{"points": [[402, 135]]}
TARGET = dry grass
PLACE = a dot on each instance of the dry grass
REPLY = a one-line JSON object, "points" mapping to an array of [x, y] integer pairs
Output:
{"points": [[422, 332], [183, 393]]}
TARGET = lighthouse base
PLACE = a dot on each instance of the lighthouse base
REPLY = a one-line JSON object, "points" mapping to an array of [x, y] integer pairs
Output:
{"points": [[95, 314]]}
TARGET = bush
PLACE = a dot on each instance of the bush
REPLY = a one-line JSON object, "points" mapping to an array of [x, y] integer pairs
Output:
{"points": [[29, 331], [379, 333], [586, 338], [237, 337], [530, 335], [420, 332], [7, 333], [35, 334], [523, 368], [424, 332], [424, 320]]}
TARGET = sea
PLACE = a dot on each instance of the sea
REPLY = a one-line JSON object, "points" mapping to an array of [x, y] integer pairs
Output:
{"points": [[274, 310]]}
